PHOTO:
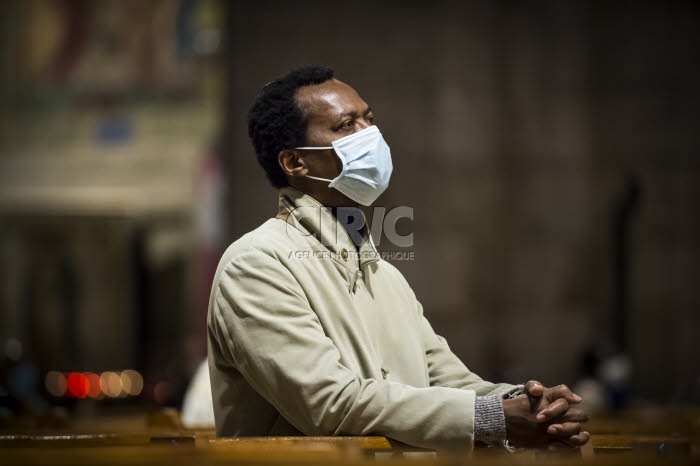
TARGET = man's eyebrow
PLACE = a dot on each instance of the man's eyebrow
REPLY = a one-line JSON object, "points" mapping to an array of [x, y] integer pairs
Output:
{"points": [[354, 114]]}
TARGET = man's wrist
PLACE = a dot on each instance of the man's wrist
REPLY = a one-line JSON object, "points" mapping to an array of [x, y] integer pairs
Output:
{"points": [[517, 390], [489, 420]]}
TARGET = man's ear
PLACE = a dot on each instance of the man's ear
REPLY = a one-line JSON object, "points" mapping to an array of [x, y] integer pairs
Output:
{"points": [[292, 163]]}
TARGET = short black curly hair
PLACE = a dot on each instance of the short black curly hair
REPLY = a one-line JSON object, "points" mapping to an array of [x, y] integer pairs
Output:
{"points": [[275, 121]]}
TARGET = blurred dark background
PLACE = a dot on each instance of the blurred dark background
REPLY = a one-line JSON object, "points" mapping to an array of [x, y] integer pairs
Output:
{"points": [[550, 151]]}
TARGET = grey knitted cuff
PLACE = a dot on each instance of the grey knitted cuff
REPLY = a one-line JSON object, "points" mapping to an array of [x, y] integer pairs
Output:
{"points": [[489, 421]]}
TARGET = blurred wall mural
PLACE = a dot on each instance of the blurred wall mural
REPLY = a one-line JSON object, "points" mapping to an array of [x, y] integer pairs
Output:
{"points": [[109, 187]]}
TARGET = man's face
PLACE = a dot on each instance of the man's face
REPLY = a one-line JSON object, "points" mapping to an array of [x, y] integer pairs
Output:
{"points": [[334, 110]]}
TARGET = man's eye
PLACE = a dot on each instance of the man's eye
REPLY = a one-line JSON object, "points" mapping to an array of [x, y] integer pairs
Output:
{"points": [[348, 124], [370, 118]]}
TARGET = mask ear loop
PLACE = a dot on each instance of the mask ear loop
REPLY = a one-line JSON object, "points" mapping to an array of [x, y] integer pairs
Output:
{"points": [[318, 178], [316, 148]]}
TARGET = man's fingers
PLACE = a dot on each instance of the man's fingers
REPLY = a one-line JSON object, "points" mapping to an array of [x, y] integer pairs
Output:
{"points": [[562, 391], [556, 409], [579, 439], [564, 444], [566, 429], [573, 415]]}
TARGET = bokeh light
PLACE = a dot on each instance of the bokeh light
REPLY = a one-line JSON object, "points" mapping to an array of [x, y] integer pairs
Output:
{"points": [[78, 385], [13, 349], [95, 385], [161, 392], [56, 383], [132, 382], [111, 384]]}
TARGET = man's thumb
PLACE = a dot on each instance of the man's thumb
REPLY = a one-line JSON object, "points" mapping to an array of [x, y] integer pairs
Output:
{"points": [[534, 388]]}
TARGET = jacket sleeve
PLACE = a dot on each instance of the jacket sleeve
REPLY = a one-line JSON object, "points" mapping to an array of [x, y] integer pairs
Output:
{"points": [[276, 341]]}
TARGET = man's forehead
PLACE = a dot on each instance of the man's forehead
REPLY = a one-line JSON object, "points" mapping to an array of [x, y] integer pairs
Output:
{"points": [[330, 98]]}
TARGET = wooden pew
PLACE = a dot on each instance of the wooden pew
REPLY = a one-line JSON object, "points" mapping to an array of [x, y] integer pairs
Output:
{"points": [[134, 449], [163, 440], [366, 446], [650, 444], [73, 440]]}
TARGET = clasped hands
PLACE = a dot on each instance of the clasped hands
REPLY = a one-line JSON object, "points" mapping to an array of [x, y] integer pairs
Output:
{"points": [[544, 417]]}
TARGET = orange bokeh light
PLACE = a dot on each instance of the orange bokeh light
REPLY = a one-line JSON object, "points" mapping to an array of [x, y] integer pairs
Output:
{"points": [[95, 389]]}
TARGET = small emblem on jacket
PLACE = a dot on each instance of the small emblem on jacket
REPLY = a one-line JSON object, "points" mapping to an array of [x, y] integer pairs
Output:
{"points": [[385, 374]]}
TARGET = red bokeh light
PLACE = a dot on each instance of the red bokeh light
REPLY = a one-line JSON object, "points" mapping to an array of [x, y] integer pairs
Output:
{"points": [[78, 385]]}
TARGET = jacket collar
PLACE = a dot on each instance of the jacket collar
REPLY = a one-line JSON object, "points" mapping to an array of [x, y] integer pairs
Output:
{"points": [[313, 218]]}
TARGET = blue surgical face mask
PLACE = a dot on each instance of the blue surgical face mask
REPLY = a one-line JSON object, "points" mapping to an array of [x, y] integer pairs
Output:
{"points": [[366, 162]]}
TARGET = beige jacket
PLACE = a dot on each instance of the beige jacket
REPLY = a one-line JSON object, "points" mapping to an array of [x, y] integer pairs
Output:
{"points": [[305, 337]]}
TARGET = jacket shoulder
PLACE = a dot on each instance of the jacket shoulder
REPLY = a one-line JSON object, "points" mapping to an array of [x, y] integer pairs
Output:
{"points": [[272, 238]]}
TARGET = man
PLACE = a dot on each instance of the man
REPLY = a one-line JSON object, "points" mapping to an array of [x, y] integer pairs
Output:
{"points": [[312, 333]]}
